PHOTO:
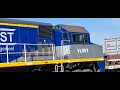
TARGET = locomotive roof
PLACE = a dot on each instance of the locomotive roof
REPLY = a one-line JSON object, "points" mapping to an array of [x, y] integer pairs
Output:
{"points": [[15, 21], [72, 28]]}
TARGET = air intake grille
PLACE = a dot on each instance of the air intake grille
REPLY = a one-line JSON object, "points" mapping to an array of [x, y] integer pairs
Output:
{"points": [[45, 31]]}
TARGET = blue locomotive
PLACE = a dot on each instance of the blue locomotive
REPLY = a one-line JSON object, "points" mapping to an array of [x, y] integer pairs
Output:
{"points": [[71, 42]]}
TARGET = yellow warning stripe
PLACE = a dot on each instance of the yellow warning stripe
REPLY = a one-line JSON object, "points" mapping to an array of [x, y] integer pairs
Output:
{"points": [[43, 62], [21, 25]]}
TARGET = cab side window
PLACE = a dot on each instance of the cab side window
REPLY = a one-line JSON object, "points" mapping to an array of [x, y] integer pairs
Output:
{"points": [[80, 38], [86, 38]]}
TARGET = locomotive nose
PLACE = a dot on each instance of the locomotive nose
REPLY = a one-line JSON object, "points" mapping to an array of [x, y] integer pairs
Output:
{"points": [[86, 51]]}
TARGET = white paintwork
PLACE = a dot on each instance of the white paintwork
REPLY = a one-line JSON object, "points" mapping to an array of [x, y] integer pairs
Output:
{"points": [[66, 50], [112, 67], [114, 60], [111, 46]]}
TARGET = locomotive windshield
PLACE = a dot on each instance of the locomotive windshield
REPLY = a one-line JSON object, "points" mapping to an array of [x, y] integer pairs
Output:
{"points": [[80, 38], [45, 31]]}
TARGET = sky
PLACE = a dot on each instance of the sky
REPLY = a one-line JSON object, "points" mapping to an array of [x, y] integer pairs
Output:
{"points": [[99, 28]]}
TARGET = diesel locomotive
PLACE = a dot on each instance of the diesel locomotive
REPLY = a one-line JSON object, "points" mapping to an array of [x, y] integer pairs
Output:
{"points": [[36, 41]]}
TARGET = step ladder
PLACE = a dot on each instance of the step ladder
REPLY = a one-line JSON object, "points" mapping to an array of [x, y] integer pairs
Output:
{"points": [[59, 66]]}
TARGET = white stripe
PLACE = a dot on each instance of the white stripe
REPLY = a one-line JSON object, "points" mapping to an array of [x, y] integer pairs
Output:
{"points": [[8, 43], [7, 29], [112, 67], [114, 60]]}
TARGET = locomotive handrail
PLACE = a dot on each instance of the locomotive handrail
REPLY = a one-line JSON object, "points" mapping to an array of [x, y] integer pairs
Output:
{"points": [[26, 53], [23, 52], [62, 52]]}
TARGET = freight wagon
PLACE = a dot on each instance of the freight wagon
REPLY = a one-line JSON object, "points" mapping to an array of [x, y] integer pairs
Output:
{"points": [[37, 46], [112, 54]]}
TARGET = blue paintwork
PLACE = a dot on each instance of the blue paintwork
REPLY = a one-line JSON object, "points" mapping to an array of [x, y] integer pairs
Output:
{"points": [[58, 37], [101, 65], [22, 35], [27, 35], [59, 32]]}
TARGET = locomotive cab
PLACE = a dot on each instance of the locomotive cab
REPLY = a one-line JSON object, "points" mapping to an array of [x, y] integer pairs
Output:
{"points": [[73, 42], [78, 42]]}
